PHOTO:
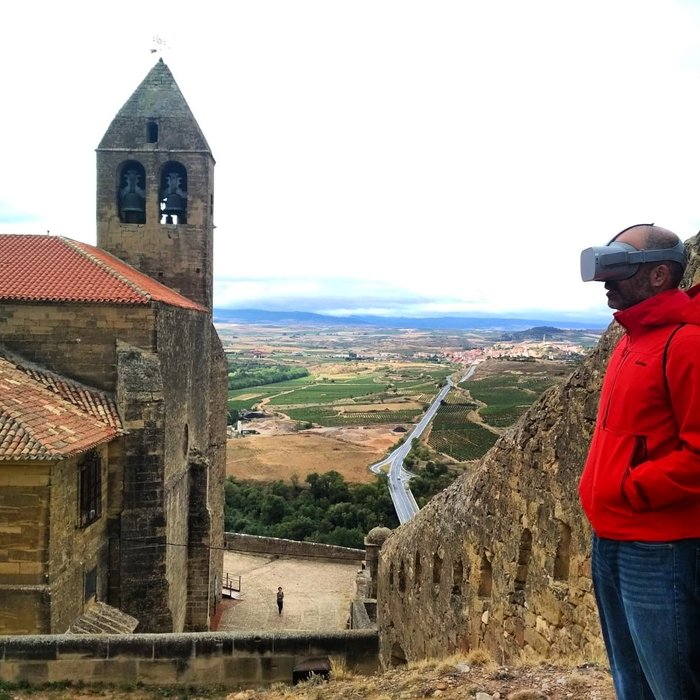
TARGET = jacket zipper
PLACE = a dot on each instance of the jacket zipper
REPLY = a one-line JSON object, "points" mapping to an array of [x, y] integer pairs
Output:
{"points": [[623, 359]]}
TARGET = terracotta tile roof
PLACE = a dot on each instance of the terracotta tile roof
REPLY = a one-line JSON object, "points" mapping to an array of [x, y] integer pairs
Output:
{"points": [[46, 417], [54, 268]]}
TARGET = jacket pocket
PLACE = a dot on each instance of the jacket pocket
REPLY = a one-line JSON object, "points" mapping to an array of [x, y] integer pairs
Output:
{"points": [[631, 493], [607, 468], [639, 451]]}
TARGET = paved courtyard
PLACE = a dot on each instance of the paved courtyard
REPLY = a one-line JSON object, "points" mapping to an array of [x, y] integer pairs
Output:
{"points": [[317, 593]]}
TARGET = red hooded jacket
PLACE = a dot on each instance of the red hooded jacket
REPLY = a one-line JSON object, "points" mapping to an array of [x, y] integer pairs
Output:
{"points": [[642, 476]]}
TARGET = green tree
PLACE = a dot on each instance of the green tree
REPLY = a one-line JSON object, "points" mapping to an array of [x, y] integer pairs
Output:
{"points": [[273, 509], [329, 486]]}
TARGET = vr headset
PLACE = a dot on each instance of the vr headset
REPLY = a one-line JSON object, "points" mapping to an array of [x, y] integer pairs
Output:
{"points": [[620, 261]]}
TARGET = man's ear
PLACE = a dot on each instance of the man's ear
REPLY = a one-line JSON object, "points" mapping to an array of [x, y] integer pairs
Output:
{"points": [[661, 276]]}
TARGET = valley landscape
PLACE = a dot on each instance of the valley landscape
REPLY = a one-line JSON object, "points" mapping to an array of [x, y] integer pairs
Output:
{"points": [[359, 389]]}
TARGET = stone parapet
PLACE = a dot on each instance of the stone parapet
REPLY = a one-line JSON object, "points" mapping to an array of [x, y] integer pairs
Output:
{"points": [[199, 659], [255, 544]]}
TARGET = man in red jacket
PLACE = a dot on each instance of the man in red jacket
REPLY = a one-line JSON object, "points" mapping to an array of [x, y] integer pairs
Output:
{"points": [[640, 488]]}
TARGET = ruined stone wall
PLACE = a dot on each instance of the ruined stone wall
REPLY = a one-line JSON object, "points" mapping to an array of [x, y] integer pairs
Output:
{"points": [[75, 340], [500, 559]]}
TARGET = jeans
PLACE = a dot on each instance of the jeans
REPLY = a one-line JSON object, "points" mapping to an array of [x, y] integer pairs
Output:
{"points": [[648, 596]]}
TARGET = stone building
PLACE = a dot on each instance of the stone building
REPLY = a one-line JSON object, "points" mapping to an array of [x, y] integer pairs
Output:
{"points": [[113, 390], [500, 559]]}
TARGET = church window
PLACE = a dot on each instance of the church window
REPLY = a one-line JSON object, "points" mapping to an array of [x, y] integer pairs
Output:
{"points": [[417, 572], [152, 132], [173, 194], [132, 193], [90, 585], [90, 485]]}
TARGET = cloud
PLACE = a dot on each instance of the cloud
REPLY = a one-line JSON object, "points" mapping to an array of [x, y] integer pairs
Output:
{"points": [[10, 215], [382, 155], [346, 296]]}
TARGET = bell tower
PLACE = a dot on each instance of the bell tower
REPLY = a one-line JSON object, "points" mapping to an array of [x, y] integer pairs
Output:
{"points": [[155, 189]]}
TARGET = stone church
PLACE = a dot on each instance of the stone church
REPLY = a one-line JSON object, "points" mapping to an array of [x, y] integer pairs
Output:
{"points": [[113, 391]]}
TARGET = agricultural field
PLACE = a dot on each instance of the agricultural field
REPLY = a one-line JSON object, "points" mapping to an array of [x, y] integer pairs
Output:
{"points": [[332, 385], [361, 382], [505, 389], [457, 434]]}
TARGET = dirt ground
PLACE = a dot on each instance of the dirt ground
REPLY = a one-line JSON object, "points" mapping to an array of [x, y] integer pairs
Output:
{"points": [[448, 679], [279, 451], [317, 594]]}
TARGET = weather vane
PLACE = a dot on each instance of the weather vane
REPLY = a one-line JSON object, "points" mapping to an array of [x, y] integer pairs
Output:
{"points": [[159, 44]]}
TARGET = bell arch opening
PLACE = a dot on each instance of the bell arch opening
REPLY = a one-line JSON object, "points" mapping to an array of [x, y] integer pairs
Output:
{"points": [[131, 195], [173, 194]]}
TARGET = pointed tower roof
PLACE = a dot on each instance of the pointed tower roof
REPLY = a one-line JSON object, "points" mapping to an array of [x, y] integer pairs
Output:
{"points": [[157, 98]]}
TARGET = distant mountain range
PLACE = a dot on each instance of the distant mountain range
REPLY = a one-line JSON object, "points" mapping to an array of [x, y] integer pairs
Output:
{"points": [[425, 323]]}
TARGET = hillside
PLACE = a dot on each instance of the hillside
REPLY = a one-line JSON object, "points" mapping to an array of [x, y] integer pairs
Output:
{"points": [[434, 322]]}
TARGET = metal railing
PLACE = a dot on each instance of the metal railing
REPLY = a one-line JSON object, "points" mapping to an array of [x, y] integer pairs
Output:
{"points": [[230, 584]]}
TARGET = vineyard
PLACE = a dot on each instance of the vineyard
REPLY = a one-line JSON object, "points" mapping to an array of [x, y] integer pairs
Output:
{"points": [[332, 418], [507, 395], [500, 393], [316, 393], [455, 435]]}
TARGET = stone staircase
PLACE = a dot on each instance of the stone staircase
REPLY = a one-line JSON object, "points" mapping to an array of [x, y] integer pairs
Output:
{"points": [[100, 618]]}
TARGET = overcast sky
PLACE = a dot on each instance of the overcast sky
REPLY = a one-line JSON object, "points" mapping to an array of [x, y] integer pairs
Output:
{"points": [[428, 156]]}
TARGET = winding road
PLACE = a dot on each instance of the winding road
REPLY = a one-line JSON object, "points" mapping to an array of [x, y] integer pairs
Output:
{"points": [[399, 488]]}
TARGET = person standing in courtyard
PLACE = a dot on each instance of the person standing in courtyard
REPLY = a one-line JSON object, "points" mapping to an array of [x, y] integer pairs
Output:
{"points": [[280, 599], [640, 487]]}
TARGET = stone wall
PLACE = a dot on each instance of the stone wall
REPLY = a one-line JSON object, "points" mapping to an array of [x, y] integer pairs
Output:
{"points": [[24, 516], [167, 520], [218, 398], [76, 340], [166, 368], [44, 553], [256, 544], [200, 659], [74, 551], [500, 560], [179, 256]]}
